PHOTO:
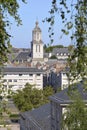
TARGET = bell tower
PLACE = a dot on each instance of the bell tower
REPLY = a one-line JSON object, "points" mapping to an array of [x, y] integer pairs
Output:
{"points": [[37, 44]]}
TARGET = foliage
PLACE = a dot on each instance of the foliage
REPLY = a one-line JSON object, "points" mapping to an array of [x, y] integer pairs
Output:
{"points": [[30, 97], [53, 57], [75, 116], [7, 8], [74, 18]]}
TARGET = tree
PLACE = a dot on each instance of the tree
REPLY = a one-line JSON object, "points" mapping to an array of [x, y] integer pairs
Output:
{"points": [[30, 97], [7, 8], [74, 17], [77, 61], [75, 117], [50, 48]]}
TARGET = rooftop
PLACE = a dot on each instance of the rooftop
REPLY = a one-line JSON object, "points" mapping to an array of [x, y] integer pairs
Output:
{"points": [[22, 70], [64, 98], [41, 116]]}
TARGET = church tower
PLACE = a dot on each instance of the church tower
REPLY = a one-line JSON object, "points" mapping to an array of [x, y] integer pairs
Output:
{"points": [[37, 44]]}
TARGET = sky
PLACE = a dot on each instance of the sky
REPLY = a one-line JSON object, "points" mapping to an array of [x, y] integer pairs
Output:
{"points": [[29, 13]]}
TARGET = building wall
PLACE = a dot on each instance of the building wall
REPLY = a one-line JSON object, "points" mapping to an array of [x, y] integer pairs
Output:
{"points": [[37, 44], [56, 115], [64, 80], [37, 51], [18, 81], [62, 56]]}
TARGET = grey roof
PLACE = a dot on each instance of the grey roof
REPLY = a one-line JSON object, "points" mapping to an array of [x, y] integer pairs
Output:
{"points": [[51, 61], [64, 98], [41, 116], [60, 50], [23, 56], [21, 70], [12, 56]]}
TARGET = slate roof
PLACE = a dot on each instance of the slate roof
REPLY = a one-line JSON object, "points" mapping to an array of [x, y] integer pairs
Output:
{"points": [[51, 61], [40, 116], [21, 70], [22, 56], [63, 97], [60, 50]]}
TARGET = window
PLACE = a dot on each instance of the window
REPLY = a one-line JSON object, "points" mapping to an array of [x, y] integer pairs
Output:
{"points": [[4, 80], [15, 80], [36, 47], [30, 74], [39, 48], [64, 74], [30, 79], [20, 74], [10, 86], [65, 54], [10, 80], [38, 74]]}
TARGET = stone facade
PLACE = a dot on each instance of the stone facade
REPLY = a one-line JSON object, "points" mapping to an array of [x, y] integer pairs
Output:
{"points": [[37, 45]]}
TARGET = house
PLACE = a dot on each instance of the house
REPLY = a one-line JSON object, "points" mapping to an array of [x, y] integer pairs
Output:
{"points": [[59, 103], [64, 80], [16, 77], [22, 57], [48, 116], [37, 119], [61, 53]]}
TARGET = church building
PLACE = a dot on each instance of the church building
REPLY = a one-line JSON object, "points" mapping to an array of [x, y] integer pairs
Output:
{"points": [[37, 45]]}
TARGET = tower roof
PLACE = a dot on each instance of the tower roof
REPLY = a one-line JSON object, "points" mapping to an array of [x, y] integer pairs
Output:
{"points": [[37, 28]]}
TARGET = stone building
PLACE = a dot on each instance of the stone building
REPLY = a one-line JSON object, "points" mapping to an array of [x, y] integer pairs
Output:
{"points": [[37, 45]]}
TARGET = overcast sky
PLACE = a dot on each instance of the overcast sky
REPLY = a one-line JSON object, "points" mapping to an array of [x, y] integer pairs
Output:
{"points": [[29, 13]]}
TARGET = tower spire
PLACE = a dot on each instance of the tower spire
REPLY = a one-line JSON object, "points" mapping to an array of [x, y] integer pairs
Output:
{"points": [[37, 22]]}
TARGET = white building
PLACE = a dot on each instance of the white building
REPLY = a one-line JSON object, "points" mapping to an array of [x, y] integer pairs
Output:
{"points": [[37, 45], [16, 78], [65, 81]]}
